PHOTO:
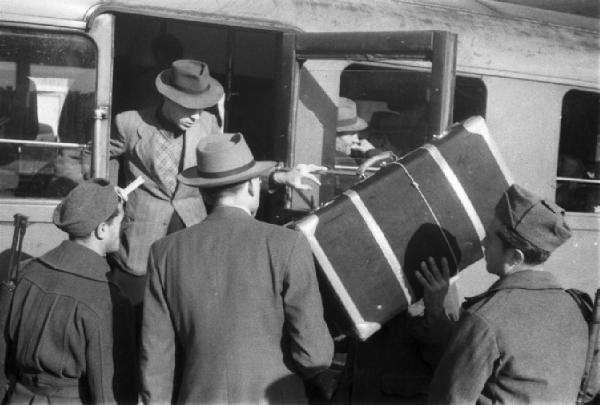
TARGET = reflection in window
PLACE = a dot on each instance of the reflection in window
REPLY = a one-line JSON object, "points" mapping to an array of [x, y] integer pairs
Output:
{"points": [[47, 96], [578, 174]]}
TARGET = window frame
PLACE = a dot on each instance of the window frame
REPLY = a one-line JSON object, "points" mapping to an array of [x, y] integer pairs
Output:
{"points": [[437, 47], [41, 209]]}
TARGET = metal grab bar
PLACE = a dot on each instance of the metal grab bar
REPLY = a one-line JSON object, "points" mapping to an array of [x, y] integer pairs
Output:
{"points": [[578, 180], [42, 144]]}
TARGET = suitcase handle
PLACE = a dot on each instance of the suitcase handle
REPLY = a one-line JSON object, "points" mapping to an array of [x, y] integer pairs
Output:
{"points": [[373, 161]]}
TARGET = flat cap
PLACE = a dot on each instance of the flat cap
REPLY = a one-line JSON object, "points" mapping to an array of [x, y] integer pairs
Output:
{"points": [[533, 219], [85, 207]]}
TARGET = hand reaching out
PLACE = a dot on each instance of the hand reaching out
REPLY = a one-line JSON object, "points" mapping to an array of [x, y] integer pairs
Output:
{"points": [[435, 284]]}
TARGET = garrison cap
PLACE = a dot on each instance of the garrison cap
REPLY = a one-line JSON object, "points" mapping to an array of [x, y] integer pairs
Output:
{"points": [[533, 219], [85, 207]]}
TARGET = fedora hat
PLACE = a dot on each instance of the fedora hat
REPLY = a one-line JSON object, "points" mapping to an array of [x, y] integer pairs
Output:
{"points": [[223, 159], [188, 83], [347, 119], [386, 123]]}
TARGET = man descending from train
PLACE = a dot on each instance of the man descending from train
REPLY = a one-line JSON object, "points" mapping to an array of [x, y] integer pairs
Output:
{"points": [[524, 340], [158, 143], [70, 332], [232, 312]]}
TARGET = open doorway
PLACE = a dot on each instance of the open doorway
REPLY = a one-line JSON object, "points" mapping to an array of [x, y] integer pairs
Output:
{"points": [[242, 60]]}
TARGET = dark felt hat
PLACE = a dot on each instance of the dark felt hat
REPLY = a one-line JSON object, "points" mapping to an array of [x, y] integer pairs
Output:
{"points": [[537, 221], [85, 207], [223, 159], [188, 83], [386, 123]]}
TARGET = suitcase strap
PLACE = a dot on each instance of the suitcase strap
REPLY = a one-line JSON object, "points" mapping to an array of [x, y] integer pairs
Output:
{"points": [[382, 242], [415, 184]]}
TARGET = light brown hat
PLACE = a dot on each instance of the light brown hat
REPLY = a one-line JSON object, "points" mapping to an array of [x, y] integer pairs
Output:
{"points": [[223, 159], [347, 118]]}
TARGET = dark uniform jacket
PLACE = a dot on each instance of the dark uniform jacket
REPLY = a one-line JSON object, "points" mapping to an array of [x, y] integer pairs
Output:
{"points": [[232, 314], [522, 341], [71, 333]]}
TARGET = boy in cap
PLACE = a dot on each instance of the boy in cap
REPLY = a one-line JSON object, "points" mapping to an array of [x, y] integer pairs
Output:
{"points": [[524, 340], [157, 143], [70, 332], [232, 312]]}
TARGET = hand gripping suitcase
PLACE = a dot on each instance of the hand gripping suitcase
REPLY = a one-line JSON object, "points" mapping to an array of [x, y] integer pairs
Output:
{"points": [[435, 201]]}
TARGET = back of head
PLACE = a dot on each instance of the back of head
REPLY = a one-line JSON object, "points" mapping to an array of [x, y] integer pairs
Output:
{"points": [[85, 207], [532, 224]]}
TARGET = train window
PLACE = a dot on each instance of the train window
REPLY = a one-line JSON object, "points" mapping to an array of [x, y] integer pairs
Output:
{"points": [[391, 110], [47, 96], [578, 173]]}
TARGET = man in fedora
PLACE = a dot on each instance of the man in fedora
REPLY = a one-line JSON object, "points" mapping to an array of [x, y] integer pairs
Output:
{"points": [[157, 144], [349, 124], [70, 331], [232, 312], [524, 340]]}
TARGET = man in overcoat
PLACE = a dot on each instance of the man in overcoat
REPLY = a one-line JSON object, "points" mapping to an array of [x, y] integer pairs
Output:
{"points": [[70, 332], [524, 340], [232, 312]]}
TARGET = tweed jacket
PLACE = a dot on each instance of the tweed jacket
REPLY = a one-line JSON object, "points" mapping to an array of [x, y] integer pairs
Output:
{"points": [[522, 341], [150, 207], [71, 332], [232, 314]]}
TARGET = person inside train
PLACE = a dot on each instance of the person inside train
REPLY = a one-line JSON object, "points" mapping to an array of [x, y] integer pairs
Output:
{"points": [[348, 143]]}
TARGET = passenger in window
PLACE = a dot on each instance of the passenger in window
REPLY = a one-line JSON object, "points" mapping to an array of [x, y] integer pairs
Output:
{"points": [[387, 132], [525, 339], [70, 332], [349, 147]]}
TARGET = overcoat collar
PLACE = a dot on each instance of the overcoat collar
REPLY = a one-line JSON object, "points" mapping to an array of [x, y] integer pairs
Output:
{"points": [[523, 280], [71, 257], [227, 212]]}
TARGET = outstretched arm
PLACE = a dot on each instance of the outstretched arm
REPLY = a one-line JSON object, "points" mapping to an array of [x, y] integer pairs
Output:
{"points": [[294, 177]]}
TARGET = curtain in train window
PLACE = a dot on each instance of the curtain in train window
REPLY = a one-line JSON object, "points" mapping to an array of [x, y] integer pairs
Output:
{"points": [[578, 174], [47, 97]]}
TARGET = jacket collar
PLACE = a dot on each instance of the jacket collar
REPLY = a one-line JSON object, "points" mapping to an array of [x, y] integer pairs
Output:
{"points": [[165, 123], [223, 211], [522, 280], [71, 257]]}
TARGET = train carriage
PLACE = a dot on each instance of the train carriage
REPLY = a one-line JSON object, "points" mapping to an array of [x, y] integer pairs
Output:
{"points": [[67, 68]]}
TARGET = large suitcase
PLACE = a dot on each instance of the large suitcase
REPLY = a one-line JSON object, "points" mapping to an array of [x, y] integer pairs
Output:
{"points": [[435, 201]]}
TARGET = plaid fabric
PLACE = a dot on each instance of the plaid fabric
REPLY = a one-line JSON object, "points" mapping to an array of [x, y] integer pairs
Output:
{"points": [[167, 157]]}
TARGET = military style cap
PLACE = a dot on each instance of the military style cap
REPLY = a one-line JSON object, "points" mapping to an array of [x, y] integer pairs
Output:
{"points": [[85, 207], [533, 219]]}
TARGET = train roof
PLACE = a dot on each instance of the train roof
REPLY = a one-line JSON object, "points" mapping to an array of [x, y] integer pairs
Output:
{"points": [[494, 37]]}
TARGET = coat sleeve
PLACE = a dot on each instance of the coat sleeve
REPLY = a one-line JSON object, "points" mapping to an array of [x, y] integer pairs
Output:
{"points": [[110, 352], [157, 357], [467, 363], [118, 137], [311, 343]]}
